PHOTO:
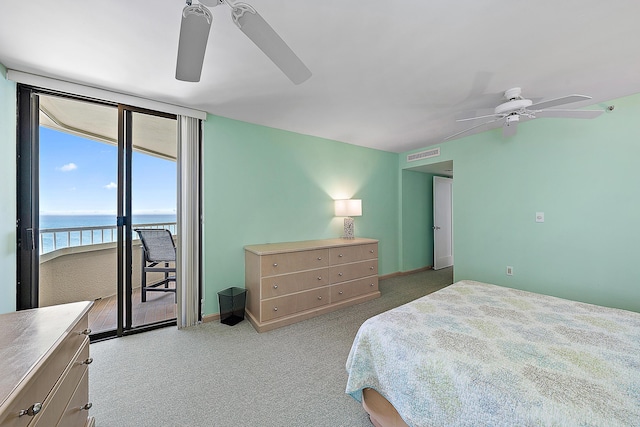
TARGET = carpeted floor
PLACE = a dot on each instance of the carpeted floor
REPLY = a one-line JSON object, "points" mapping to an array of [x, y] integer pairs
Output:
{"points": [[219, 375]]}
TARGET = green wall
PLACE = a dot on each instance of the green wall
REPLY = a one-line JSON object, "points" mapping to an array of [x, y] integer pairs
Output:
{"points": [[583, 174], [266, 185], [417, 220], [7, 193]]}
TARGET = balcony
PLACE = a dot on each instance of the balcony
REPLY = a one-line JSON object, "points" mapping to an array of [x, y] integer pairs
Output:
{"points": [[80, 264]]}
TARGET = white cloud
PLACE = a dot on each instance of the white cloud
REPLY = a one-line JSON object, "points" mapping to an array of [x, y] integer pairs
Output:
{"points": [[111, 186], [68, 167]]}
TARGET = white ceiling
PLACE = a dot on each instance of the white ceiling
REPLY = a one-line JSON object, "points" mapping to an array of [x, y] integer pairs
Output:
{"points": [[391, 75]]}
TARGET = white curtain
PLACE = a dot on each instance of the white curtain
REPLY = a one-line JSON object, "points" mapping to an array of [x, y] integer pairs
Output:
{"points": [[188, 269]]}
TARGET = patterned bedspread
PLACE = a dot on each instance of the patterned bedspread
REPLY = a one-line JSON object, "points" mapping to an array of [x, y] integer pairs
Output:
{"points": [[474, 354]]}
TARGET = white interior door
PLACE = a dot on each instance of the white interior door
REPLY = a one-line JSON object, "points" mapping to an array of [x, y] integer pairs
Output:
{"points": [[442, 223]]}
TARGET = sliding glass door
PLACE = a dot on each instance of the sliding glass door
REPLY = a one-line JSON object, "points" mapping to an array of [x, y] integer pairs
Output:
{"points": [[147, 202], [77, 196], [89, 174]]}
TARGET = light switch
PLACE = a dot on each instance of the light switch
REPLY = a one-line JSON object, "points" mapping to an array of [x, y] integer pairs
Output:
{"points": [[539, 216]]}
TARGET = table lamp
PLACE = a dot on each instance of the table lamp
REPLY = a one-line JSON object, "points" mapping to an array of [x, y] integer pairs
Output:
{"points": [[348, 208]]}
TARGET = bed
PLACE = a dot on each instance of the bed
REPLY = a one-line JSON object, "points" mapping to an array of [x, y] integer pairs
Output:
{"points": [[476, 354]]}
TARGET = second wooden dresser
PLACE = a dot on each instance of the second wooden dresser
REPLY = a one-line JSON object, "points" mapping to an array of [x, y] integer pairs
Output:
{"points": [[293, 281], [44, 367]]}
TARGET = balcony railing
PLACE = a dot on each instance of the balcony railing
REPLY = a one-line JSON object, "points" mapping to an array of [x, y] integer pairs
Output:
{"points": [[52, 239]]}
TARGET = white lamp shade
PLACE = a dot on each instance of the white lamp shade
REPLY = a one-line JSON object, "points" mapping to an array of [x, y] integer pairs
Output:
{"points": [[350, 207]]}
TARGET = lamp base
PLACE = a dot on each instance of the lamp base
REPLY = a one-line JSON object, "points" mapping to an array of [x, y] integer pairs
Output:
{"points": [[348, 228]]}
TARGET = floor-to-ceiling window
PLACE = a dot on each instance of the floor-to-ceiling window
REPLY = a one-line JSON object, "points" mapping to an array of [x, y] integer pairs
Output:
{"points": [[90, 173]]}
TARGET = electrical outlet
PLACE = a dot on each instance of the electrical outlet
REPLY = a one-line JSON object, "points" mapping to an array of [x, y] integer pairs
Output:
{"points": [[509, 270]]}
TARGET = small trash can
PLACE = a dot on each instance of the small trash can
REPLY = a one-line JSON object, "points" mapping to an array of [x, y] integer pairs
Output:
{"points": [[232, 301]]}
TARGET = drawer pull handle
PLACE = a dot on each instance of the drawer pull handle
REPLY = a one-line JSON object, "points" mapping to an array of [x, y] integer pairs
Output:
{"points": [[85, 332], [371, 284], [32, 411], [371, 268], [275, 308], [339, 274], [87, 361], [340, 293], [86, 406], [320, 297], [275, 286], [319, 277], [371, 251], [275, 264], [340, 256], [319, 258]]}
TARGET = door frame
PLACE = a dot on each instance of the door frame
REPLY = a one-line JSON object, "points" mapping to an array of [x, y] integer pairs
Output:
{"points": [[442, 222], [27, 209]]}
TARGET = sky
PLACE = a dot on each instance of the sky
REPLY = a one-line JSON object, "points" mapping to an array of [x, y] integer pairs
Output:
{"points": [[79, 176]]}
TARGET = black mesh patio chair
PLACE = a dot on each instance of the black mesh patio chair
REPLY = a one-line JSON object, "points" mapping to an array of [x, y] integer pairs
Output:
{"points": [[158, 256]]}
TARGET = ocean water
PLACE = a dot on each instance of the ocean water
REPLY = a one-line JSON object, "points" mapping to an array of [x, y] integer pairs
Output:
{"points": [[73, 221], [53, 240]]}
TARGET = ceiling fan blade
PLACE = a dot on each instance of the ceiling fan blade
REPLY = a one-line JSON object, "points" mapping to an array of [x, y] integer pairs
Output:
{"points": [[260, 32], [509, 128], [558, 101], [194, 33], [470, 129], [475, 118], [569, 114]]}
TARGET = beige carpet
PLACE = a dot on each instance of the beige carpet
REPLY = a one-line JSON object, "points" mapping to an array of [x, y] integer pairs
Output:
{"points": [[219, 375]]}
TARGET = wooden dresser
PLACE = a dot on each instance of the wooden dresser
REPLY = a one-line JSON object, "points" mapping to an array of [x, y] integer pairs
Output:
{"points": [[289, 282], [44, 354]]}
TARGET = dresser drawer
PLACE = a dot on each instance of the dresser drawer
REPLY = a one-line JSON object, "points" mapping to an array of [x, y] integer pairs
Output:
{"points": [[356, 270], [283, 263], [55, 406], [75, 413], [348, 254], [290, 304], [369, 251], [289, 283], [354, 288], [42, 381]]}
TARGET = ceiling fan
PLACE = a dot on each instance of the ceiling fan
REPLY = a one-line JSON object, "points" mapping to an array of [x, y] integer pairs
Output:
{"points": [[194, 33], [517, 107]]}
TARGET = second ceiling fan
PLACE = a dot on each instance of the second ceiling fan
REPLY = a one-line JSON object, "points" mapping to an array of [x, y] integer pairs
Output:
{"points": [[194, 34], [516, 107]]}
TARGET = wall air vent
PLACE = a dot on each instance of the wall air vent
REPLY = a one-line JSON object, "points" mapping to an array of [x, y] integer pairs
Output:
{"points": [[423, 155]]}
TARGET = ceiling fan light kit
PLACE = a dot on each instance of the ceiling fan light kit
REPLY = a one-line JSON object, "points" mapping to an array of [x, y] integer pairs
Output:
{"points": [[194, 33], [512, 119], [516, 107]]}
